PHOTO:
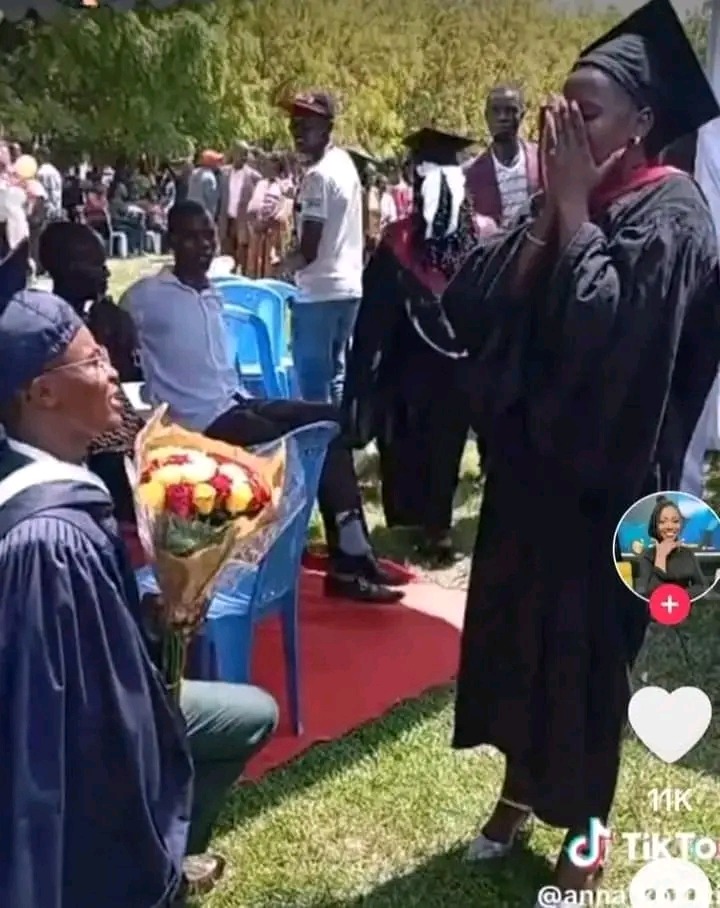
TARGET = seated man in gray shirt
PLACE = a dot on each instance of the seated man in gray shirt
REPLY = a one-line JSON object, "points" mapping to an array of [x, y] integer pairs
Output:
{"points": [[188, 364]]}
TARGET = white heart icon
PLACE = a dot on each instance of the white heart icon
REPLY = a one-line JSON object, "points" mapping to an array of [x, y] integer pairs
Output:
{"points": [[670, 724]]}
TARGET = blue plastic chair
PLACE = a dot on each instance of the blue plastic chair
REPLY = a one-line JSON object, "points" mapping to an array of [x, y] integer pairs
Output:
{"points": [[246, 595], [286, 291], [229, 279], [270, 306], [252, 350]]}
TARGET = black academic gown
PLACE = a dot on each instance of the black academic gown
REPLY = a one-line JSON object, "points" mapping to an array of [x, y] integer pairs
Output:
{"points": [[586, 394], [96, 776], [401, 392]]}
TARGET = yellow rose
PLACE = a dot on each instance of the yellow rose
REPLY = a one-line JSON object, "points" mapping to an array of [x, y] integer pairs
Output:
{"points": [[204, 498], [170, 474], [239, 498], [152, 495]]}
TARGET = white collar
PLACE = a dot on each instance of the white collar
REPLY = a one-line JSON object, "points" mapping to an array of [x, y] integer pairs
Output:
{"points": [[49, 469], [21, 447]]}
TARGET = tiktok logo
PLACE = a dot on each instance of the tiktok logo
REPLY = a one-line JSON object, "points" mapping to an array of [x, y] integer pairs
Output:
{"points": [[589, 851]]}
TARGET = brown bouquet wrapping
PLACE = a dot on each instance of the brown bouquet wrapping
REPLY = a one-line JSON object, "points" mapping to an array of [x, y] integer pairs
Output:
{"points": [[197, 502]]}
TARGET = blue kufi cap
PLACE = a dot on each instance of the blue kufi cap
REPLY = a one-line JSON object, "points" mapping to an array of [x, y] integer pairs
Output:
{"points": [[35, 326]]}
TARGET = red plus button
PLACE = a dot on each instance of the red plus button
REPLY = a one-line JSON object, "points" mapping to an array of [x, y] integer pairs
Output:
{"points": [[670, 604]]}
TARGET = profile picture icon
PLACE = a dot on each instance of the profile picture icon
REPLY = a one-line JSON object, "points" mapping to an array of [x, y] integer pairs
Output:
{"points": [[668, 538]]}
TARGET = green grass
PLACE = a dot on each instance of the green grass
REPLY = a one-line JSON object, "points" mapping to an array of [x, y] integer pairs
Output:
{"points": [[124, 272], [381, 818]]}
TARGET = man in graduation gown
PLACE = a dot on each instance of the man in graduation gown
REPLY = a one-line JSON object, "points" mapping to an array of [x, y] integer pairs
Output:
{"points": [[96, 776], [593, 333]]}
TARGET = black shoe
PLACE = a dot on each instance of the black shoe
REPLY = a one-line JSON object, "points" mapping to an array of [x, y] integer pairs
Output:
{"points": [[439, 547], [366, 566], [358, 588]]}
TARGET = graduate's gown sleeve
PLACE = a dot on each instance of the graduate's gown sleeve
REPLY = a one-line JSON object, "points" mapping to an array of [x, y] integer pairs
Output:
{"points": [[612, 385], [380, 309], [86, 775], [594, 353]]}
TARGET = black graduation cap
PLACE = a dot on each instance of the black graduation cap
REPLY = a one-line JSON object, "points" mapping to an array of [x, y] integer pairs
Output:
{"points": [[437, 147], [649, 55]]}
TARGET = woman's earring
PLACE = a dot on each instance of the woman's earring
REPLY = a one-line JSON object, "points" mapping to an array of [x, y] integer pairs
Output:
{"points": [[635, 141]]}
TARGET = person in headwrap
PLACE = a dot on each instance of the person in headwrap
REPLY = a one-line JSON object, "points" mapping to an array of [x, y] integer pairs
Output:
{"points": [[399, 390], [95, 791], [592, 329]]}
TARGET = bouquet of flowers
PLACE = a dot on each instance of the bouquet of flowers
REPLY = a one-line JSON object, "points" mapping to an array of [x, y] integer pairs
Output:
{"points": [[197, 501]]}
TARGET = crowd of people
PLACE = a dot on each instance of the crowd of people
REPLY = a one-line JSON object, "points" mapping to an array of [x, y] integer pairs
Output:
{"points": [[561, 299], [250, 193]]}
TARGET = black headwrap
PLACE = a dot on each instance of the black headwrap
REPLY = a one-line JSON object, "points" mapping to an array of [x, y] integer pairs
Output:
{"points": [[650, 57]]}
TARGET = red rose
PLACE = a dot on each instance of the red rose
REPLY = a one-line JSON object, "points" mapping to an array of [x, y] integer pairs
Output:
{"points": [[179, 499], [222, 485]]}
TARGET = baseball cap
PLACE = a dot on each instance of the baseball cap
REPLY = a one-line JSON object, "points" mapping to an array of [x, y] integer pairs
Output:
{"points": [[319, 103]]}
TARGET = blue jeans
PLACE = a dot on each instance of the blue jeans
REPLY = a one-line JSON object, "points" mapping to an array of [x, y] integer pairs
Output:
{"points": [[320, 332]]}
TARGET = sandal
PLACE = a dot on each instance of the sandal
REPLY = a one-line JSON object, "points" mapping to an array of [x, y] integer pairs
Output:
{"points": [[202, 871], [483, 848]]}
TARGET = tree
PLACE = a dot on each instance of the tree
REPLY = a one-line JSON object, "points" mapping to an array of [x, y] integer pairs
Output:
{"points": [[163, 82]]}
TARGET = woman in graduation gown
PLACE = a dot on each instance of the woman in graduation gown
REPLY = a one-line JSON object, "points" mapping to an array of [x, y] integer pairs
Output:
{"points": [[593, 332], [399, 389]]}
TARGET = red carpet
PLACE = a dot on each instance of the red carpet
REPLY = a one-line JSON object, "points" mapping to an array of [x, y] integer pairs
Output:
{"points": [[356, 661]]}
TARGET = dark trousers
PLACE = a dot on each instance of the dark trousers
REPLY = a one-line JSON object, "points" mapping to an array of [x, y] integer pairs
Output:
{"points": [[226, 725], [255, 422]]}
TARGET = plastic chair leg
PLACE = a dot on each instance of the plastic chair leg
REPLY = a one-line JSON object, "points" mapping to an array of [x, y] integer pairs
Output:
{"points": [[232, 637], [290, 637], [283, 382]]}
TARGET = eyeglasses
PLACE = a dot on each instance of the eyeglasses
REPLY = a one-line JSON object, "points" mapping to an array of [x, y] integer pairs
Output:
{"points": [[100, 360]]}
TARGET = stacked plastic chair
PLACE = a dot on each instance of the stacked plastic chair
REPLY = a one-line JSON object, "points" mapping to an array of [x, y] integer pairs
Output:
{"points": [[270, 306]]}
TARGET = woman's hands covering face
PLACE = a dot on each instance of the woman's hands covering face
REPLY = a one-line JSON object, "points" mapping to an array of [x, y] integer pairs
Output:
{"points": [[568, 167]]}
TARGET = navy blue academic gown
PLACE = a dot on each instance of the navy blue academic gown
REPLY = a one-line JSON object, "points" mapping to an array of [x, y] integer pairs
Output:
{"points": [[96, 778]]}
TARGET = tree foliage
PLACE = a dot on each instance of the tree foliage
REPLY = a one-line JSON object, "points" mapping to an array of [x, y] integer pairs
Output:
{"points": [[164, 82]]}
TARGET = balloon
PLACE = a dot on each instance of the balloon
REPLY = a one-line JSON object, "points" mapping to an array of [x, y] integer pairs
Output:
{"points": [[26, 167]]}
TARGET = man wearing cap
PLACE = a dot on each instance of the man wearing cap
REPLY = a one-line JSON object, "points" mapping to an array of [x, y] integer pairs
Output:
{"points": [[328, 260], [502, 179], [96, 781]]}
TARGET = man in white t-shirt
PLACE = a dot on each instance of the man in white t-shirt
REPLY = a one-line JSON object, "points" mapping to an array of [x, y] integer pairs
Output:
{"points": [[328, 261]]}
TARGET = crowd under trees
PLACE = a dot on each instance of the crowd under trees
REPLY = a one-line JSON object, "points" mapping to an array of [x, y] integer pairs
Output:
{"points": [[163, 83]]}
